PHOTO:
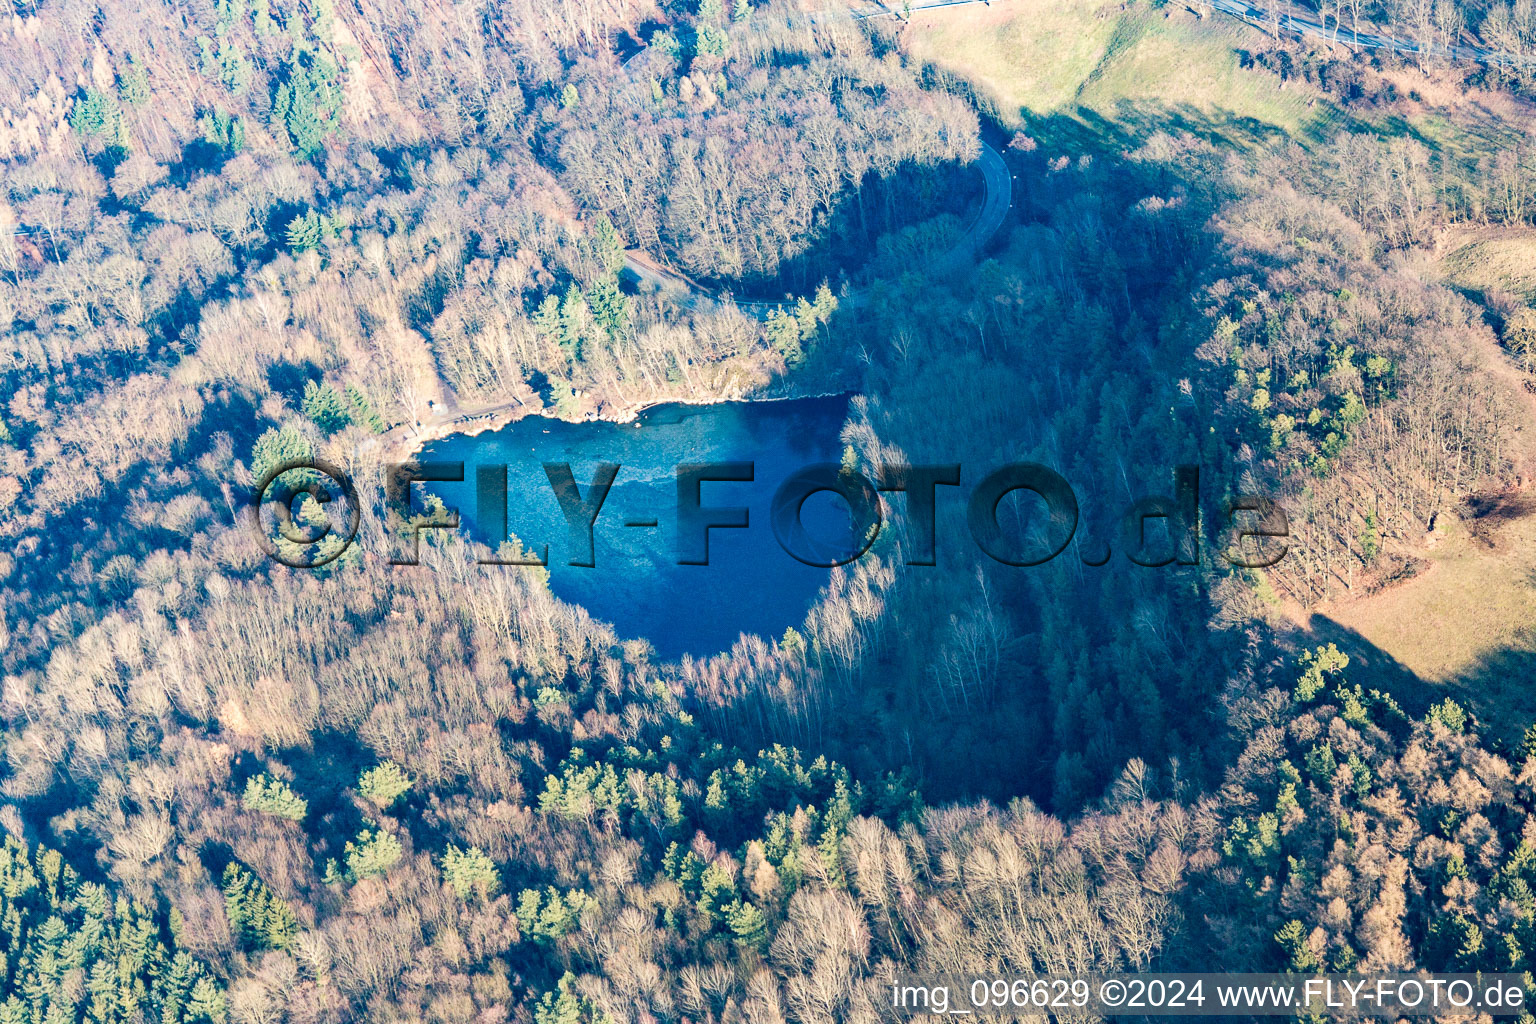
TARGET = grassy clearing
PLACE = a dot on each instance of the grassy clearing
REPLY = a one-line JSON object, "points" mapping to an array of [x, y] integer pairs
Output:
{"points": [[1139, 68], [1030, 54], [1466, 626], [1503, 260]]}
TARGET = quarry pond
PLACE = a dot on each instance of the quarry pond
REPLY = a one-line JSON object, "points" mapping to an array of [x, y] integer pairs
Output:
{"points": [[750, 584]]}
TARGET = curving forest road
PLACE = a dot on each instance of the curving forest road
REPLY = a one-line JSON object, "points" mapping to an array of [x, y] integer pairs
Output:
{"points": [[650, 274], [997, 197]]}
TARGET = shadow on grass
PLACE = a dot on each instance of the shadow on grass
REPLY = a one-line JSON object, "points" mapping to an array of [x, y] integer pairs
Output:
{"points": [[1373, 668], [1085, 130], [1499, 688]]}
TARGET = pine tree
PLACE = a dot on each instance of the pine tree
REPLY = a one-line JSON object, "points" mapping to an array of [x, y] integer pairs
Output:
{"points": [[607, 244], [223, 131], [546, 317], [306, 231], [273, 796], [384, 784], [373, 852], [206, 1002], [133, 84], [95, 114], [548, 915], [1318, 666], [1299, 955], [784, 335], [1449, 714], [306, 101], [260, 917], [276, 447], [575, 315], [563, 1006], [325, 407], [362, 410], [261, 18], [747, 924], [470, 873], [610, 307], [711, 41], [304, 123]]}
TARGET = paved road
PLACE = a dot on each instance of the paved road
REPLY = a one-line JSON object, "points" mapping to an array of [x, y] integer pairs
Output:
{"points": [[1304, 26], [651, 275], [897, 10], [997, 197], [997, 184]]}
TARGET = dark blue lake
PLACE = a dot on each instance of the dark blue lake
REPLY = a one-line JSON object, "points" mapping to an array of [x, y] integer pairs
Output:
{"points": [[751, 585]]}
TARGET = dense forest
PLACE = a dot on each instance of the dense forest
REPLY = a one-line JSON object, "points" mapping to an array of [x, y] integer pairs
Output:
{"points": [[238, 233]]}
